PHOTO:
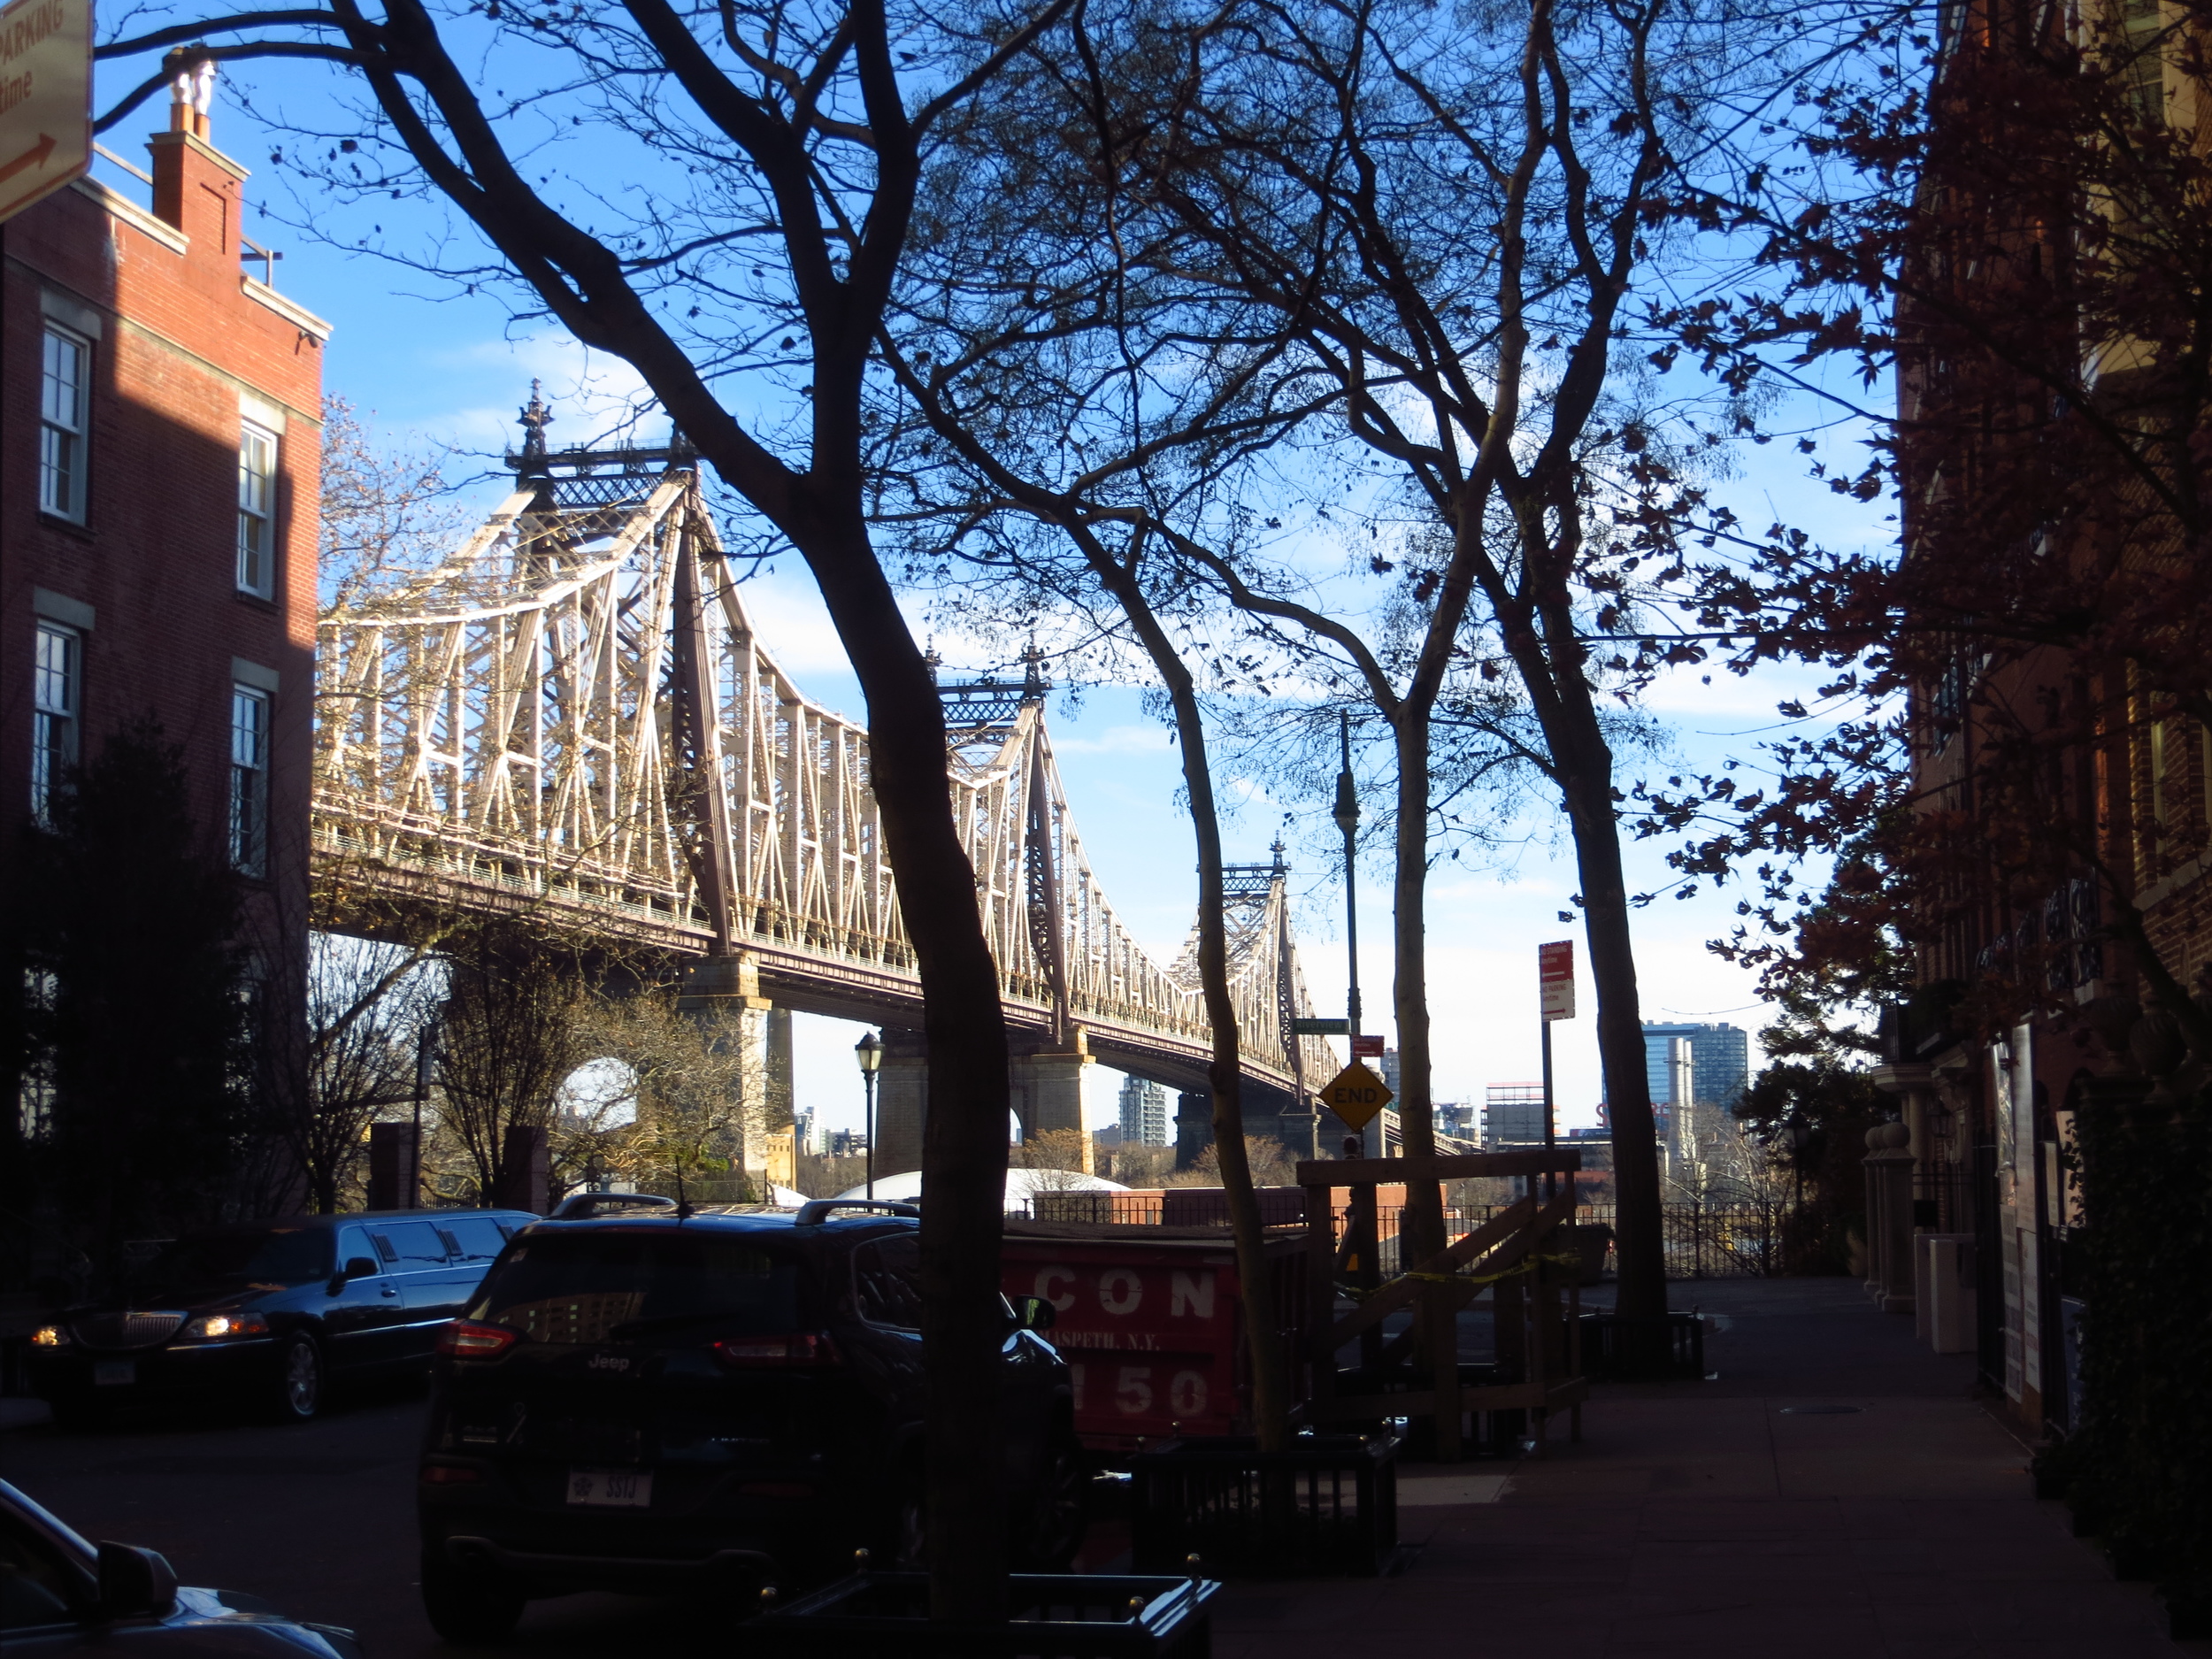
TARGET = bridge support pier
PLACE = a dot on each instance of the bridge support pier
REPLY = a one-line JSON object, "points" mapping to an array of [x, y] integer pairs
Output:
{"points": [[902, 1101], [1048, 1092], [728, 988], [1193, 1126]]}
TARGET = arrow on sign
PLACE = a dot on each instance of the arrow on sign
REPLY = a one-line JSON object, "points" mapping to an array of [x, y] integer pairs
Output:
{"points": [[36, 156]]}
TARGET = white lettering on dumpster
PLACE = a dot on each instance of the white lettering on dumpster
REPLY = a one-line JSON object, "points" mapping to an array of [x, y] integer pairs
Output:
{"points": [[1043, 1292], [1119, 1290], [1191, 1293]]}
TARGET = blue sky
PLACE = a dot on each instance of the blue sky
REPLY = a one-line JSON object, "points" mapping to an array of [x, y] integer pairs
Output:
{"points": [[426, 363]]}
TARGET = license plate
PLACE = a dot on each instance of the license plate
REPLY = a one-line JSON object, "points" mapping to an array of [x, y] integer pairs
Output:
{"points": [[611, 1488], [114, 1373]]}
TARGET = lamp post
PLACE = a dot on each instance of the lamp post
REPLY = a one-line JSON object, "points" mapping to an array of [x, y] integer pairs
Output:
{"points": [[1346, 813], [869, 1052]]}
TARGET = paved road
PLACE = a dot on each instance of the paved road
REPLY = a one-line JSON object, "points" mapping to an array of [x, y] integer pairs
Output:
{"points": [[319, 1519], [1697, 1518]]}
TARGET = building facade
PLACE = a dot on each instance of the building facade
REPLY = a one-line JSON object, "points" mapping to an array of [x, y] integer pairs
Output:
{"points": [[1720, 1063], [1144, 1114], [159, 466]]}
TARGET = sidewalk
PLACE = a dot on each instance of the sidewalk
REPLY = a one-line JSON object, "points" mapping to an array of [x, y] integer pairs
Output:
{"points": [[1723, 1519]]}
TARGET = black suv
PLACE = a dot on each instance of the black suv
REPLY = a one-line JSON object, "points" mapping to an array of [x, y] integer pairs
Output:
{"points": [[663, 1403], [269, 1312]]}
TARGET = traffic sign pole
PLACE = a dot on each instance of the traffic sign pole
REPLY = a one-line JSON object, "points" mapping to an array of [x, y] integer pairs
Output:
{"points": [[1556, 1000]]}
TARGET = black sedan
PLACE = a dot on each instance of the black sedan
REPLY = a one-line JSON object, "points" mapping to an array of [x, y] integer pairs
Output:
{"points": [[270, 1313], [60, 1595]]}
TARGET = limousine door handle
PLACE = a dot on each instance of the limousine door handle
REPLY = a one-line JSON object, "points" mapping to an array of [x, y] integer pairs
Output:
{"points": [[389, 1291]]}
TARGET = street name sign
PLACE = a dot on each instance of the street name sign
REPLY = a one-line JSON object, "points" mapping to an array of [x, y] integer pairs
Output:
{"points": [[1356, 1095], [1556, 979], [1320, 1027], [45, 99]]}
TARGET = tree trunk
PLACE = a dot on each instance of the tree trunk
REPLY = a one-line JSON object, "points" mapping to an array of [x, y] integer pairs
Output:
{"points": [[1422, 1226], [1225, 1073], [1587, 782], [1270, 1401], [963, 1140]]}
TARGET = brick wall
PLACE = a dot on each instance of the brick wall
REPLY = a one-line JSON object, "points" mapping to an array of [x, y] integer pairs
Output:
{"points": [[185, 344]]}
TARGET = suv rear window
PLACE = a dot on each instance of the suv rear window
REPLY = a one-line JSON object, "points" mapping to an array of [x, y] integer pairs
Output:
{"points": [[595, 1287]]}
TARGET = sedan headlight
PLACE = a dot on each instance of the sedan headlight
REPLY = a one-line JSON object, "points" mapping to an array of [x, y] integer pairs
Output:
{"points": [[217, 1327], [50, 1336]]}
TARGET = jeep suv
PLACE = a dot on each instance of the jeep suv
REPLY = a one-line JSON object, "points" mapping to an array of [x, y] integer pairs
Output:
{"points": [[706, 1403]]}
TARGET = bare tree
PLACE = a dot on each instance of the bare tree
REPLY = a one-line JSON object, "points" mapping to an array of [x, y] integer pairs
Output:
{"points": [[1442, 223], [387, 513], [769, 158], [510, 1034]]}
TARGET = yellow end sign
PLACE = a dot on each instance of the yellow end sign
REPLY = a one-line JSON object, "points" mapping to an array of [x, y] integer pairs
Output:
{"points": [[1356, 1095]]}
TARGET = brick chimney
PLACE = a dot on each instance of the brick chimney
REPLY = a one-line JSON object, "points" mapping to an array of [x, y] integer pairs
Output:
{"points": [[195, 184]]}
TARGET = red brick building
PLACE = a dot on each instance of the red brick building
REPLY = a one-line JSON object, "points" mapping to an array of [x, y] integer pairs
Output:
{"points": [[160, 458]]}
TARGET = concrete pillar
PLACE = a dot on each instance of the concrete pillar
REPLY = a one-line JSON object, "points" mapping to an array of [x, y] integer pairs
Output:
{"points": [[902, 1103], [526, 1174], [722, 993], [781, 1100], [1193, 1126], [1047, 1091], [394, 1167], [1889, 1246]]}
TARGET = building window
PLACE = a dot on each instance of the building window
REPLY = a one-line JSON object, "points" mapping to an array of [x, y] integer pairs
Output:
{"points": [[2142, 64], [64, 381], [257, 522], [56, 694], [36, 1089], [249, 780]]}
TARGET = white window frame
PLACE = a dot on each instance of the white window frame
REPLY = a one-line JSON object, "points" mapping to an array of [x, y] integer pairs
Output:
{"points": [[256, 511], [249, 710], [57, 711], [63, 423]]}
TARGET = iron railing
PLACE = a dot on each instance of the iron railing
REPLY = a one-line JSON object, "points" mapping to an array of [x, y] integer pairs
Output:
{"points": [[1743, 1240]]}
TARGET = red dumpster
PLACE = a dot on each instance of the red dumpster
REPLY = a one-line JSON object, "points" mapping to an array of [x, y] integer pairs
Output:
{"points": [[1151, 1323]]}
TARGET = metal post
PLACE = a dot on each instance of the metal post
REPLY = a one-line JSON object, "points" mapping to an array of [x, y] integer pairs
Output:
{"points": [[869, 1052], [1551, 1179], [1346, 815]]}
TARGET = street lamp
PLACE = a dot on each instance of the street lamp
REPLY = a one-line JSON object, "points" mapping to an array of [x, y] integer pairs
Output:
{"points": [[1345, 812], [869, 1052]]}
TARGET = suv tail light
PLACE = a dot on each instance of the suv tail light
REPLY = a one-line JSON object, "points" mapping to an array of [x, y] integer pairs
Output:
{"points": [[751, 1353], [464, 1338]]}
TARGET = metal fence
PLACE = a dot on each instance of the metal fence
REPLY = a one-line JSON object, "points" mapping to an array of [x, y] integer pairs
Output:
{"points": [[1702, 1241]]}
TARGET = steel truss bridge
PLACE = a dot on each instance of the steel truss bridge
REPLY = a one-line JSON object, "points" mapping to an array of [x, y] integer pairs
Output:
{"points": [[573, 718]]}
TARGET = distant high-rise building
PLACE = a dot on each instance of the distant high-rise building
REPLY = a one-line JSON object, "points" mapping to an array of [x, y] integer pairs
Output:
{"points": [[1720, 1063], [1144, 1119], [1513, 1115]]}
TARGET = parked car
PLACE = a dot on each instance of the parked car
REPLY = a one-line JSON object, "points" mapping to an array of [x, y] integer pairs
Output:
{"points": [[653, 1402], [273, 1312], [60, 1595]]}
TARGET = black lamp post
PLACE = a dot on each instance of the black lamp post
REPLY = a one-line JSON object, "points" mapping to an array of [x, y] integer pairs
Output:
{"points": [[869, 1052], [1346, 813]]}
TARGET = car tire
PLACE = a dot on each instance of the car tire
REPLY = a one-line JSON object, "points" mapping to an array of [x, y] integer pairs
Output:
{"points": [[297, 1394], [1062, 1511], [468, 1604]]}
